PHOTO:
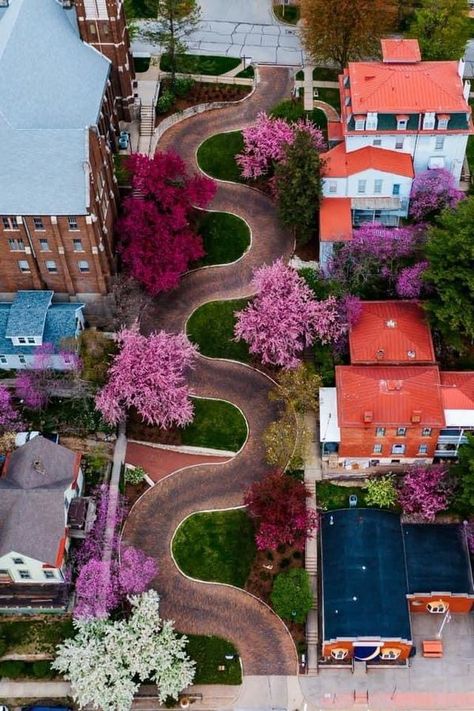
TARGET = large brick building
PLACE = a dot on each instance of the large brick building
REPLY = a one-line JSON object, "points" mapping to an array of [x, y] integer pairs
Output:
{"points": [[60, 103]]}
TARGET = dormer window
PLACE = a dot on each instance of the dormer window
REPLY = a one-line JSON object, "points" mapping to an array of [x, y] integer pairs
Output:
{"points": [[402, 122], [443, 120], [359, 123], [372, 119], [429, 121]]}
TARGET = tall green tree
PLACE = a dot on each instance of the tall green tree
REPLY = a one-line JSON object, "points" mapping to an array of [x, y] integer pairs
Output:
{"points": [[464, 473], [442, 28], [343, 30], [298, 186], [291, 595], [175, 21], [450, 253]]}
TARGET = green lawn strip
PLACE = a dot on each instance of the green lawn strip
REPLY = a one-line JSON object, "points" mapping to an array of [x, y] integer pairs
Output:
{"points": [[216, 156], [320, 74], [293, 111], [217, 424], [200, 64], [247, 73], [331, 496], [287, 13], [15, 669], [34, 636], [121, 172], [330, 96], [226, 237], [211, 327], [218, 546], [209, 653], [141, 64]]}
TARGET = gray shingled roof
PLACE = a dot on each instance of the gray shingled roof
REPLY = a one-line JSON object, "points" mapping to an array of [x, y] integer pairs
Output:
{"points": [[51, 89], [27, 315], [32, 513]]}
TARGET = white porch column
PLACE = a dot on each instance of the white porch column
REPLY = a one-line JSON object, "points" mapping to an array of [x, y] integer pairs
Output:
{"points": [[308, 87]]}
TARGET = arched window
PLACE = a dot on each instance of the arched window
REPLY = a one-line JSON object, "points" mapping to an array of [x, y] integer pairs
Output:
{"points": [[339, 653], [390, 653], [437, 607]]}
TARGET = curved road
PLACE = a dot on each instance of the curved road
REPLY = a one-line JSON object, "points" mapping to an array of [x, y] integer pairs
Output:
{"points": [[263, 641]]}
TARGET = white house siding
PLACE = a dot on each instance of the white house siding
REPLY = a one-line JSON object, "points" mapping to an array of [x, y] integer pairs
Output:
{"points": [[422, 147], [34, 568], [348, 187]]}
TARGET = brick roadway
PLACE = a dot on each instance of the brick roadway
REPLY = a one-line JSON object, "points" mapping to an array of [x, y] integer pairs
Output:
{"points": [[159, 462], [263, 641]]}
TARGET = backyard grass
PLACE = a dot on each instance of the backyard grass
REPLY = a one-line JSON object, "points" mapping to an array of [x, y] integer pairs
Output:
{"points": [[15, 669], [209, 653], [216, 156], [291, 110], [331, 496], [330, 96], [247, 73], [226, 237], [211, 327], [218, 546], [287, 13], [217, 424], [67, 416], [34, 636], [121, 172], [200, 64]]}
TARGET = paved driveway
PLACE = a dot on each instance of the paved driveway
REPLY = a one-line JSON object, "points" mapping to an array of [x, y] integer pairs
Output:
{"points": [[241, 28]]}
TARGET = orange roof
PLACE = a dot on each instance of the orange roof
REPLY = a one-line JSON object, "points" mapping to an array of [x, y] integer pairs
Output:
{"points": [[388, 395], [391, 332], [335, 220], [335, 131], [339, 164], [408, 88], [400, 50], [457, 390]]}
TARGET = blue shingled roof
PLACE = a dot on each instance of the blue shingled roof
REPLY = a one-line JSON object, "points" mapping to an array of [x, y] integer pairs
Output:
{"points": [[51, 90], [28, 314]]}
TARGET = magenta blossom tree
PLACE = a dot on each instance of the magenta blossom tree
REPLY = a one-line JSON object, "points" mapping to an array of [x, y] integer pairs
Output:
{"points": [[158, 240], [10, 418], [148, 373], [410, 284], [283, 318], [432, 191], [50, 366], [265, 141], [425, 490], [135, 571]]}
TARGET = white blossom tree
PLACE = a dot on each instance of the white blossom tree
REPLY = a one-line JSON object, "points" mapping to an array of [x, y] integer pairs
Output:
{"points": [[108, 660]]}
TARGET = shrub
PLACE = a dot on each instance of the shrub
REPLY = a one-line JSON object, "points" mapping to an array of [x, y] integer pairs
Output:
{"points": [[12, 669], [165, 102], [291, 596], [42, 669], [134, 476], [3, 646], [381, 492], [183, 86]]}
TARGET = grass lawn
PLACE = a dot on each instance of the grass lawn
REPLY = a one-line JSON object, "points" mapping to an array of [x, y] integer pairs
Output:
{"points": [[247, 73], [34, 636], [330, 96], [121, 172], [226, 237], [293, 110], [331, 496], [217, 546], [209, 653], [217, 424], [216, 156], [200, 64], [287, 13], [321, 74], [211, 327], [141, 64]]}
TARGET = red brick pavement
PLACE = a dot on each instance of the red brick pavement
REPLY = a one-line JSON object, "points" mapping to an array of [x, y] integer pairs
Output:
{"points": [[261, 637], [158, 463]]}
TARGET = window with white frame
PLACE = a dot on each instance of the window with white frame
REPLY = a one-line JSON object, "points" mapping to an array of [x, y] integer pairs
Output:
{"points": [[48, 574], [23, 266], [361, 185], [396, 189], [402, 124], [31, 341], [378, 186], [18, 561], [423, 449], [38, 223], [10, 223], [371, 124], [22, 359], [377, 142], [24, 574], [377, 449], [72, 223], [439, 143], [51, 266], [44, 246], [429, 121], [332, 186], [3, 359], [16, 245], [398, 449], [77, 245], [83, 265], [443, 123], [401, 431], [426, 432], [380, 431], [399, 144], [21, 340], [437, 607], [359, 124]]}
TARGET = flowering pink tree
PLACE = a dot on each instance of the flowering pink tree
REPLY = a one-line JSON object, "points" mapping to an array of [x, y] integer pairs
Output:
{"points": [[431, 192], [370, 263], [284, 318], [135, 571], [10, 419], [277, 503], [425, 490], [157, 237], [410, 282], [50, 366], [265, 141], [148, 373]]}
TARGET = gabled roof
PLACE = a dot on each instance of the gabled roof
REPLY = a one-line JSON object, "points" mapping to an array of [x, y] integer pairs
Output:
{"points": [[335, 220], [391, 332], [457, 390], [32, 512], [340, 164], [27, 315], [406, 88], [388, 395], [400, 50]]}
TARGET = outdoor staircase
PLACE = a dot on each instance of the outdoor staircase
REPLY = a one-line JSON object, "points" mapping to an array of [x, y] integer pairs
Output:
{"points": [[147, 120]]}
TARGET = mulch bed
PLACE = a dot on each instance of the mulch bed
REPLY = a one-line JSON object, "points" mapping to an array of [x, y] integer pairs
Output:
{"points": [[134, 491], [260, 579], [138, 430], [308, 252], [203, 93]]}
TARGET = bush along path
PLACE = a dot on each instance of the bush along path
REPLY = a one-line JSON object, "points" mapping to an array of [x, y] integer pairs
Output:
{"points": [[262, 639]]}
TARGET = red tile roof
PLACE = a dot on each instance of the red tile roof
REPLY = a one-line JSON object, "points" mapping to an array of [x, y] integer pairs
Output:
{"points": [[400, 50], [335, 220], [388, 395], [391, 332], [407, 88], [335, 131], [457, 390], [339, 164]]}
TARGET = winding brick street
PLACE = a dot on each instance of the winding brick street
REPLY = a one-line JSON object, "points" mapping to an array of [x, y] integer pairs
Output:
{"points": [[260, 636]]}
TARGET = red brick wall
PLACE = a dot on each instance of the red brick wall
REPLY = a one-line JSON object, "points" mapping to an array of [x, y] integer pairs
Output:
{"points": [[359, 442]]}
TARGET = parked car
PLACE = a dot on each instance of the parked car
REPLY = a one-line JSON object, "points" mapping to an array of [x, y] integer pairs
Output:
{"points": [[124, 140], [45, 708]]}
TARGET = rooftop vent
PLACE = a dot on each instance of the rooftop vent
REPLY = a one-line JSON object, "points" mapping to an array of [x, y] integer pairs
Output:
{"points": [[411, 354], [380, 354], [394, 385], [38, 466], [416, 416], [391, 323], [368, 416]]}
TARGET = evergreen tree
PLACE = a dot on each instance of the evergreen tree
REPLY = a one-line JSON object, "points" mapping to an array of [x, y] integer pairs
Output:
{"points": [[464, 472]]}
